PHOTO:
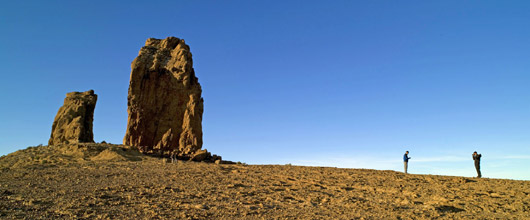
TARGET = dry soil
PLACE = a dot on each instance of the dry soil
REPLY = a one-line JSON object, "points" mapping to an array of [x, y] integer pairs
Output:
{"points": [[103, 181]]}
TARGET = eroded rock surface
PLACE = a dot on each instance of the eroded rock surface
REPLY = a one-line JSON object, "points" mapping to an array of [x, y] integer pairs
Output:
{"points": [[73, 123], [164, 102]]}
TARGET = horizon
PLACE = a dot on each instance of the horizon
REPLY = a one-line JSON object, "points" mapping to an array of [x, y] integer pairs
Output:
{"points": [[342, 84]]}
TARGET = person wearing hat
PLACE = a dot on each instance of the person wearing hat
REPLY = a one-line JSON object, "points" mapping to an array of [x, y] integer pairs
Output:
{"points": [[476, 158]]}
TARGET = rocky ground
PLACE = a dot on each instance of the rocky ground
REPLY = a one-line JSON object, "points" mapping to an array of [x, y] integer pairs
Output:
{"points": [[102, 181]]}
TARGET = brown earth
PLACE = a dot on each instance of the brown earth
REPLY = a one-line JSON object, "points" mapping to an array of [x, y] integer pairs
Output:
{"points": [[103, 181]]}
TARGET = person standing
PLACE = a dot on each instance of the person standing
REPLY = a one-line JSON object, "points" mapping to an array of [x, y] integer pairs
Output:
{"points": [[476, 158], [406, 161]]}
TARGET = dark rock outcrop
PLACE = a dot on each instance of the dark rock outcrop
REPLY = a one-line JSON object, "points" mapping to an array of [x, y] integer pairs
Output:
{"points": [[164, 102], [73, 123]]}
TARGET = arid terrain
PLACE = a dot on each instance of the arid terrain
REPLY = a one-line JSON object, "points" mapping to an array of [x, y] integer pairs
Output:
{"points": [[104, 181]]}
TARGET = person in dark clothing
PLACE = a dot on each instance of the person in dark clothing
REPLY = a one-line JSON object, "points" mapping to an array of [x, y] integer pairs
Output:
{"points": [[476, 158], [406, 160]]}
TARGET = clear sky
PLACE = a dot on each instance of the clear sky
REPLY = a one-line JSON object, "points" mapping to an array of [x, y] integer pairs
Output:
{"points": [[324, 83]]}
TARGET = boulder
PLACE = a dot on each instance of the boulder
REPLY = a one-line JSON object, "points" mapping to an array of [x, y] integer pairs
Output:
{"points": [[201, 155], [73, 123], [164, 103], [216, 157]]}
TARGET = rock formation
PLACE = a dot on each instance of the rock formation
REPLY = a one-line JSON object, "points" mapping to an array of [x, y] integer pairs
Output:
{"points": [[164, 102], [73, 123]]}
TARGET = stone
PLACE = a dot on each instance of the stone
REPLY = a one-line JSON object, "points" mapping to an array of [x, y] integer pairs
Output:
{"points": [[201, 155], [164, 102], [216, 157], [73, 123]]}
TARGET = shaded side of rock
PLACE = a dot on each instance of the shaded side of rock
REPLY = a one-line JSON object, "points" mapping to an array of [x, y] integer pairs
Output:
{"points": [[73, 122], [164, 102], [201, 155]]}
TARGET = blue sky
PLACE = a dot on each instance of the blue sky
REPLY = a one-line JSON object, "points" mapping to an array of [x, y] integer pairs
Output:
{"points": [[341, 83]]}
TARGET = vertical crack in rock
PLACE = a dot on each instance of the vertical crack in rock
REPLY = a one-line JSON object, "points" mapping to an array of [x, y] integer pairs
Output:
{"points": [[73, 123], [164, 102]]}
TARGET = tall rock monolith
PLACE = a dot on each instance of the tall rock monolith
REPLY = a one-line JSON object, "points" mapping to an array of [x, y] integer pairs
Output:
{"points": [[73, 123], [164, 102]]}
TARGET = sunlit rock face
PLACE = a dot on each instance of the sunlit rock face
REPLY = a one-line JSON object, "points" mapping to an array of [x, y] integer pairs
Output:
{"points": [[73, 123], [164, 102]]}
